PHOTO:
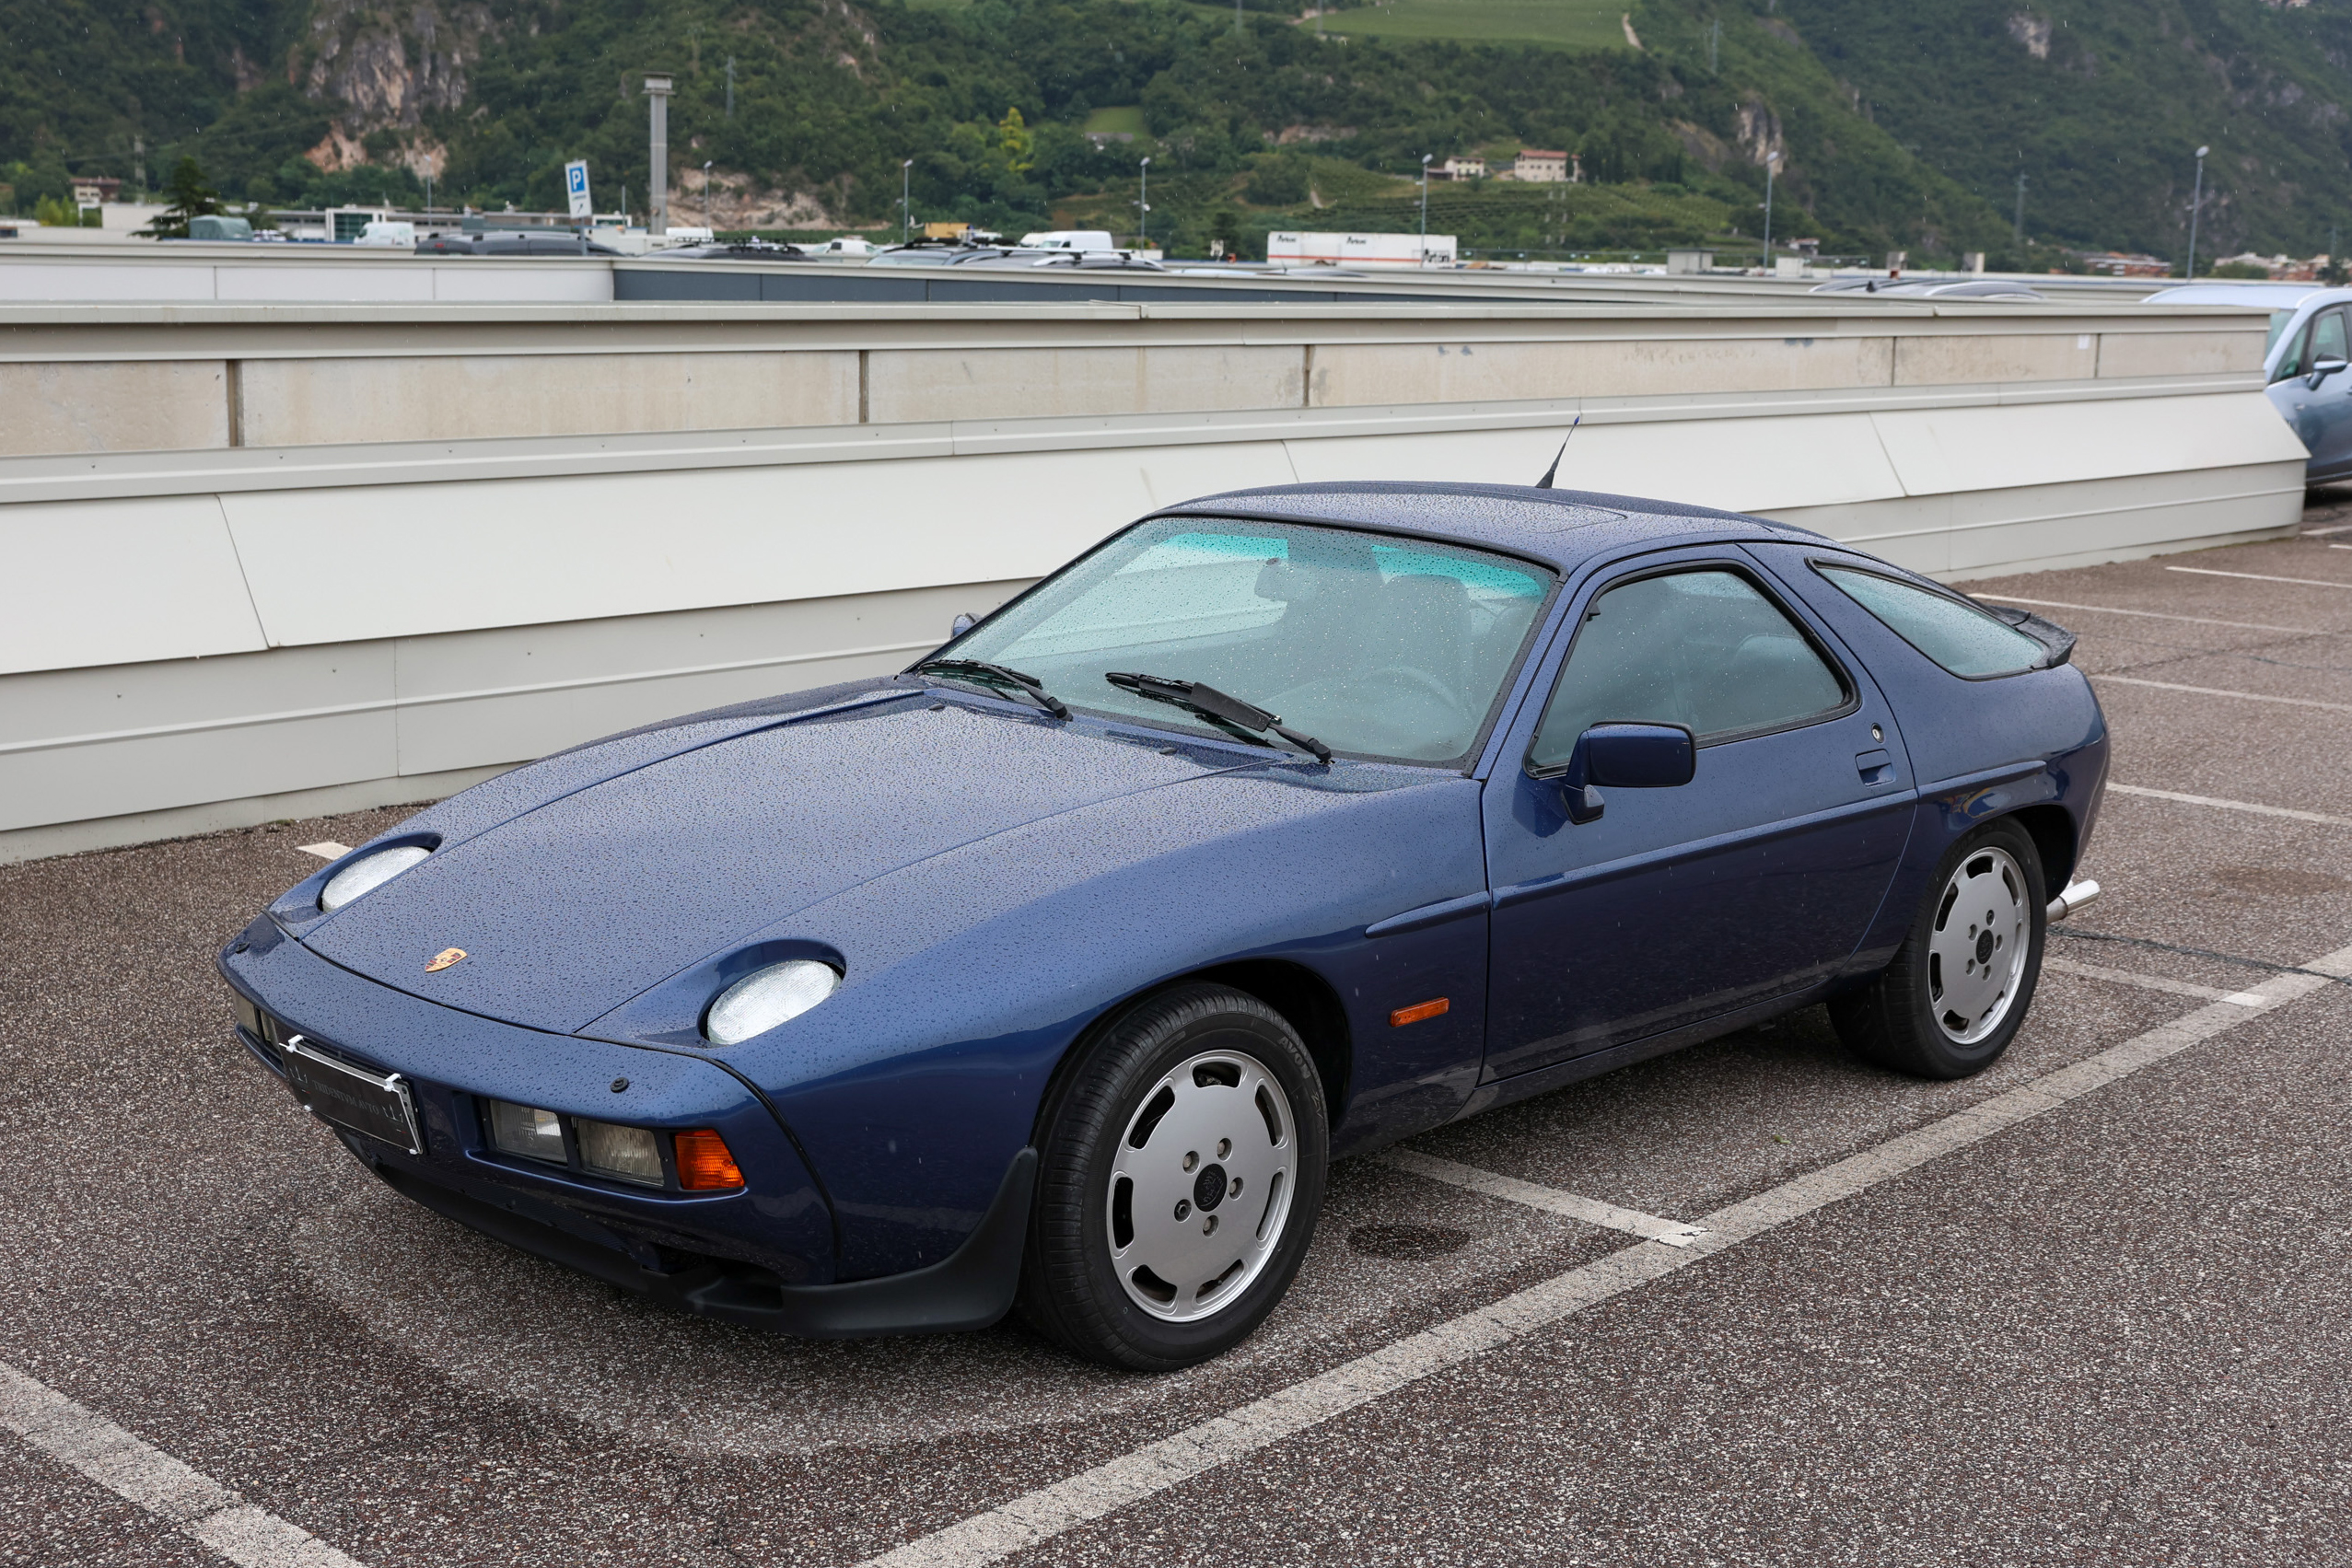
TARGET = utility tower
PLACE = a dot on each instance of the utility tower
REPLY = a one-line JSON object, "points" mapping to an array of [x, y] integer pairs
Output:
{"points": [[658, 121]]}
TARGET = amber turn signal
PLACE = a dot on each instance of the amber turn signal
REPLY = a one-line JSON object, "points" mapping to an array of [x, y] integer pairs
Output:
{"points": [[1417, 1012], [705, 1163]]}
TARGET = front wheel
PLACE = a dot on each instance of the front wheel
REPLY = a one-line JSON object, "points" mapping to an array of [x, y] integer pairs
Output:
{"points": [[1958, 987], [1182, 1172]]}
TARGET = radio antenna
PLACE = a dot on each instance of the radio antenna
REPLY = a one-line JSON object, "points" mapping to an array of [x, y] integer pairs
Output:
{"points": [[1546, 482]]}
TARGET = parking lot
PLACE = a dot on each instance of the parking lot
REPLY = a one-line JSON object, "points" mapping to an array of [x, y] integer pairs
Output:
{"points": [[1756, 1303]]}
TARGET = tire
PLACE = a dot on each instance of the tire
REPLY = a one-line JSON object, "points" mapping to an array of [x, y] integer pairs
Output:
{"points": [[1182, 1173], [1961, 984]]}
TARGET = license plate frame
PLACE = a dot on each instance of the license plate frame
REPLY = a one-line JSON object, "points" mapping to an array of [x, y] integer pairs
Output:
{"points": [[375, 1105]]}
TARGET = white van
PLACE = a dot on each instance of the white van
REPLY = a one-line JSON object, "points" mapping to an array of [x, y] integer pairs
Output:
{"points": [[1068, 239]]}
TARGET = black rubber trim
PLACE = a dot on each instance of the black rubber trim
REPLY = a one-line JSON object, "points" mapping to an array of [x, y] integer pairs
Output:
{"points": [[970, 1289]]}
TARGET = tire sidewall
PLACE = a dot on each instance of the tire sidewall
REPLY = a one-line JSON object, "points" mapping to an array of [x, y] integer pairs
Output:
{"points": [[1136, 1053], [1953, 1059]]}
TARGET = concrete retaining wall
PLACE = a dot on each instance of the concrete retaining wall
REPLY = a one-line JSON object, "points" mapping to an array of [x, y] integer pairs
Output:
{"points": [[270, 560]]}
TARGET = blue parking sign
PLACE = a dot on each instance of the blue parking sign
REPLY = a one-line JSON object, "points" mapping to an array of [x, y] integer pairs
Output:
{"points": [[576, 186]]}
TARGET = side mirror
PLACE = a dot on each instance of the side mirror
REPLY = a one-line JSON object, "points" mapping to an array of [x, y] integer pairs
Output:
{"points": [[962, 625], [2321, 371], [1626, 756]]}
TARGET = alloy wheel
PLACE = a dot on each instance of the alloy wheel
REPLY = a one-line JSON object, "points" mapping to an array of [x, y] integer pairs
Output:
{"points": [[1977, 946], [1201, 1187]]}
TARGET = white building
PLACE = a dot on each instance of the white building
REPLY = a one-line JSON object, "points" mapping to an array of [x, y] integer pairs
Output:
{"points": [[1536, 166], [1461, 168]]}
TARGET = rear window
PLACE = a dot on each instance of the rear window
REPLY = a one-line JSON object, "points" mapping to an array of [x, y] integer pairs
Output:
{"points": [[1956, 635]]}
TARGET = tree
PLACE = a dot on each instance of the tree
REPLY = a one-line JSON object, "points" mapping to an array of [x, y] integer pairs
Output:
{"points": [[1014, 140], [187, 197]]}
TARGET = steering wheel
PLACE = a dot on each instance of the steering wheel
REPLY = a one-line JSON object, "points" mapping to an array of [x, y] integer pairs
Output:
{"points": [[1411, 676]]}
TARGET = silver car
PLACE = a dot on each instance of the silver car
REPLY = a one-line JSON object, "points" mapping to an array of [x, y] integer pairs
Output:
{"points": [[2305, 364]]}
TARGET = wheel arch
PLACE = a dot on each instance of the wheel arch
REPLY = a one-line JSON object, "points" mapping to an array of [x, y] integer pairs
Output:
{"points": [[1304, 999], [2051, 828]]}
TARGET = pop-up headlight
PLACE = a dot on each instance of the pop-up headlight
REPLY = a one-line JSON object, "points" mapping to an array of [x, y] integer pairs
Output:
{"points": [[765, 998], [367, 876]]}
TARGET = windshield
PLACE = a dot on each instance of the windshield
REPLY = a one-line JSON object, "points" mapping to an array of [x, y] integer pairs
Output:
{"points": [[1395, 649]]}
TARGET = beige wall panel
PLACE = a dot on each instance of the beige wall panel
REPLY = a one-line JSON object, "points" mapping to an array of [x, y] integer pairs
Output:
{"points": [[143, 280], [2044, 526], [1959, 358], [1742, 465], [115, 582], [908, 384], [119, 406], [2180, 353], [1910, 531], [500, 280], [293, 402], [538, 551], [209, 748], [2004, 447], [300, 280], [2005, 550], [1348, 374], [540, 689]]}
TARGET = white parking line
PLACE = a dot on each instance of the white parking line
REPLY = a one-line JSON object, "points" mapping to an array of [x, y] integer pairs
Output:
{"points": [[2321, 817], [1593, 1211], [2322, 533], [2152, 982], [1050, 1510], [325, 849], [2217, 691], [141, 1473], [2159, 615], [2259, 578]]}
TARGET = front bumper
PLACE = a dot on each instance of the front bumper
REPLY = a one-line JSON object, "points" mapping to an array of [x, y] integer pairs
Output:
{"points": [[763, 1255]]}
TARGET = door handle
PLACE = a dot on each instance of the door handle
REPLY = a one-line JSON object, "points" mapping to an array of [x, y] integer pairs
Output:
{"points": [[1876, 767]]}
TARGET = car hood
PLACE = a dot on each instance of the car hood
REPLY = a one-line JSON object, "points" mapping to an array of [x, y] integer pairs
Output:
{"points": [[568, 910]]}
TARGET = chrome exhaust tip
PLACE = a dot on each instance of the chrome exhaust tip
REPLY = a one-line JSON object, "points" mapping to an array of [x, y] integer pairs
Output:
{"points": [[2078, 896]]}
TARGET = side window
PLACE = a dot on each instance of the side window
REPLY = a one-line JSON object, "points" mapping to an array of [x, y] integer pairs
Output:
{"points": [[1956, 635], [1702, 649], [2327, 339]]}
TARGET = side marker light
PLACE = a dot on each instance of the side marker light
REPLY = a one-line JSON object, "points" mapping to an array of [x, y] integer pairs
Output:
{"points": [[705, 1163], [1417, 1012]]}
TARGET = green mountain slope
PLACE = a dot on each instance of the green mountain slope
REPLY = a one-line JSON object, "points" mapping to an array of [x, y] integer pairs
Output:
{"points": [[2103, 103], [1887, 120]]}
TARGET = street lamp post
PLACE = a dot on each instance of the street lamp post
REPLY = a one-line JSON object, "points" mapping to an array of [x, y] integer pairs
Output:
{"points": [[1772, 167], [1143, 207], [706, 193], [906, 200], [1425, 210], [2196, 200]]}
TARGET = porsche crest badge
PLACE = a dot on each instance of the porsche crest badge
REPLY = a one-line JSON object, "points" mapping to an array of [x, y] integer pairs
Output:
{"points": [[444, 958]]}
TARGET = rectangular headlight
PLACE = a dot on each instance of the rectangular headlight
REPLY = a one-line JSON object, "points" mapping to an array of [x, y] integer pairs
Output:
{"points": [[525, 1130], [625, 1153], [247, 1013]]}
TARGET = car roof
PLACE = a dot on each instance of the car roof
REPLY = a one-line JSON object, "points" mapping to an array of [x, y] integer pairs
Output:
{"points": [[2263, 295], [1561, 528]]}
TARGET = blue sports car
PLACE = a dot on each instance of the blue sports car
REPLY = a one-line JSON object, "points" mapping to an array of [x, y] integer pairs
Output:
{"points": [[1052, 972]]}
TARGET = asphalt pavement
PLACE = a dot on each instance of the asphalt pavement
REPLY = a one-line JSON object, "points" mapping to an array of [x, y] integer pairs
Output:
{"points": [[2094, 1305]]}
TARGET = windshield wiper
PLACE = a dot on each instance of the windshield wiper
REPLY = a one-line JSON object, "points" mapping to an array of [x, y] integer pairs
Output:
{"points": [[1212, 703], [981, 672]]}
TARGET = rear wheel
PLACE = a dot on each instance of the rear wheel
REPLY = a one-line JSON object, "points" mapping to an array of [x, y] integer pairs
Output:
{"points": [[1182, 1172], [1958, 987]]}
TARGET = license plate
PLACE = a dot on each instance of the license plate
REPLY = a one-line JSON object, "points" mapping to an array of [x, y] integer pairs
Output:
{"points": [[365, 1102]]}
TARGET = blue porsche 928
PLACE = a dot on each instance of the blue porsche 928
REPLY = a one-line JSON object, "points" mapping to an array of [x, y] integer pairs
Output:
{"points": [[1051, 974]]}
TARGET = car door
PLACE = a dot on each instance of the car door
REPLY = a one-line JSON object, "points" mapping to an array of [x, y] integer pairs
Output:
{"points": [[1681, 904], [2320, 413]]}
